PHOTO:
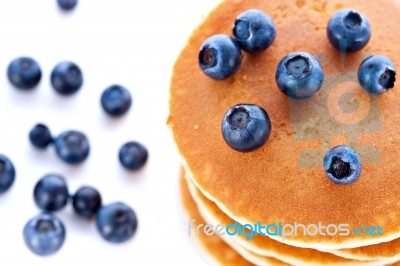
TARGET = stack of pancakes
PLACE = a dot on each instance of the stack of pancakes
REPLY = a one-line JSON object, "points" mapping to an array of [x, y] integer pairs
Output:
{"points": [[284, 180]]}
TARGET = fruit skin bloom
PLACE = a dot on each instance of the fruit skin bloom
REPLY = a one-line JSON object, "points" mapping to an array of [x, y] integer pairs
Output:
{"points": [[246, 127], [342, 165], [348, 30], [220, 57], [299, 75], [44, 234], [377, 74]]}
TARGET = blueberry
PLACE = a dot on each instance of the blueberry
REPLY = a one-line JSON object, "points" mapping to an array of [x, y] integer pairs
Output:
{"points": [[44, 234], [254, 30], [67, 4], [246, 127], [40, 136], [24, 73], [116, 222], [116, 100], [86, 202], [342, 165], [299, 75], [66, 78], [51, 193], [133, 155], [348, 30], [220, 57], [7, 173], [72, 147], [377, 74]]}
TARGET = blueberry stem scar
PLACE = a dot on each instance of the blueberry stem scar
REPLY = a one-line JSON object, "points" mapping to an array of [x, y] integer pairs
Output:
{"points": [[298, 66], [352, 20]]}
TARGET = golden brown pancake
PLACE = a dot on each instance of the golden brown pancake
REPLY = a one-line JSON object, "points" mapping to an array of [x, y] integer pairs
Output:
{"points": [[213, 245], [284, 181], [266, 246], [382, 251]]}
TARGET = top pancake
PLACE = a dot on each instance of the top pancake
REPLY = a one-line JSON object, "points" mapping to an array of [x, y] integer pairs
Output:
{"points": [[284, 181]]}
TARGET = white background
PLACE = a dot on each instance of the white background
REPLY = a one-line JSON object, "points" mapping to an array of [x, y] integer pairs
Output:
{"points": [[132, 43]]}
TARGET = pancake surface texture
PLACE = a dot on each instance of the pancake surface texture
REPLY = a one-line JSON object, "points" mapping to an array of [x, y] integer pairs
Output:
{"points": [[284, 180]]}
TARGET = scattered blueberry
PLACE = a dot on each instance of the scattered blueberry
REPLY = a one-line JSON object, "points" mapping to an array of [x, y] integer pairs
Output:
{"points": [[377, 74], [40, 136], [72, 147], [254, 30], [44, 234], [24, 73], [133, 155], [348, 30], [342, 165], [51, 193], [67, 4], [86, 202], [66, 78], [299, 75], [116, 222], [116, 100], [246, 127], [7, 173], [220, 57]]}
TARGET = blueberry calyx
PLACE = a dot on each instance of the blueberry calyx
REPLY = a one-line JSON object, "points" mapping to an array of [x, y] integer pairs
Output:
{"points": [[242, 29], [298, 66], [239, 118], [208, 57], [45, 226], [387, 78], [352, 20], [339, 168]]}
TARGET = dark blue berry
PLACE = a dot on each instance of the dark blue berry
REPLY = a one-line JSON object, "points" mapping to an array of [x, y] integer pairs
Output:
{"points": [[342, 165], [133, 155], [299, 75], [51, 193], [116, 222], [44, 234], [67, 4], [40, 136], [66, 78], [24, 73], [246, 127], [72, 147], [116, 100], [254, 30], [86, 202], [220, 57], [377, 74], [7, 173], [348, 30]]}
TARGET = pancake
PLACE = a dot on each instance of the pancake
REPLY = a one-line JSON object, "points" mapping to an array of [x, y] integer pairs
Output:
{"points": [[221, 252], [265, 246], [284, 180]]}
